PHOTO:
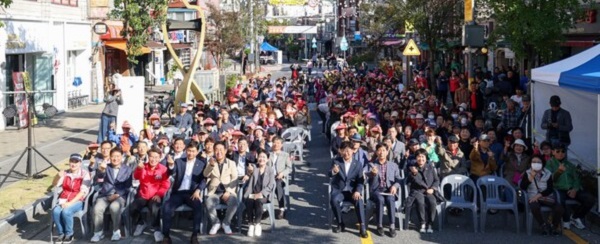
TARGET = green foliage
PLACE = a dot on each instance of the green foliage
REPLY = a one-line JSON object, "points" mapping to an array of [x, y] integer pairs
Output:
{"points": [[368, 57], [231, 81], [534, 27], [382, 16], [5, 3], [227, 36], [139, 17]]}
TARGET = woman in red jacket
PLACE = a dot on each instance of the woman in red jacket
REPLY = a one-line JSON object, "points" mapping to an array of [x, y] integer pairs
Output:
{"points": [[154, 184], [75, 184]]}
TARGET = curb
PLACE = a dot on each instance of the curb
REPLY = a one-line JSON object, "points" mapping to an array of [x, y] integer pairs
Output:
{"points": [[11, 223]]}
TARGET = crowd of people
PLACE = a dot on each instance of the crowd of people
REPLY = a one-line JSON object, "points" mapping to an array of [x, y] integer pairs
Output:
{"points": [[228, 153], [438, 126], [398, 139]]}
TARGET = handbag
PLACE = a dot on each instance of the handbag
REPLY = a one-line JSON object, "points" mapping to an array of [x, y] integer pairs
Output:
{"points": [[550, 199]]}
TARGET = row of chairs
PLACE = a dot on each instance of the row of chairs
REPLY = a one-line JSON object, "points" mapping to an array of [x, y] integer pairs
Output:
{"points": [[85, 216]]}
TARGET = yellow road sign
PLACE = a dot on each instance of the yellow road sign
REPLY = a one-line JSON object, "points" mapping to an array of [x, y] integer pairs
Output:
{"points": [[411, 49]]}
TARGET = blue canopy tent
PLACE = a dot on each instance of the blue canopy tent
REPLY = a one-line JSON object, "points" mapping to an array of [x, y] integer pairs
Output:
{"points": [[265, 46], [576, 80]]}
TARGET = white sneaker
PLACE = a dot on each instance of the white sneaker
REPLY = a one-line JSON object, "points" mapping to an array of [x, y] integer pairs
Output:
{"points": [[214, 229], [577, 223], [258, 230], [227, 229], [423, 229], [116, 235], [139, 229], [429, 229], [566, 225], [158, 236], [251, 230], [97, 236]]}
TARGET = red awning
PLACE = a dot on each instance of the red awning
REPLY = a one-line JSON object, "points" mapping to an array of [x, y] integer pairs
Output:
{"points": [[393, 42], [581, 41]]}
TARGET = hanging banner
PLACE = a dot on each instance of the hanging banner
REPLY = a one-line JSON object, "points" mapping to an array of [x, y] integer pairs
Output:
{"points": [[295, 29], [469, 4], [21, 99]]}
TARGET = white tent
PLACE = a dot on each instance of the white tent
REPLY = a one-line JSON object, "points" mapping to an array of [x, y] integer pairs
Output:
{"points": [[576, 80]]}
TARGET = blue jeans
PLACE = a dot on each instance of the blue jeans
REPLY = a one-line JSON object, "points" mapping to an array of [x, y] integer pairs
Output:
{"points": [[105, 121], [63, 218]]}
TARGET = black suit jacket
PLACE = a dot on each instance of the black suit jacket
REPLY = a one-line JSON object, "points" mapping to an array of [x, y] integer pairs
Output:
{"points": [[353, 181], [178, 171], [111, 185], [250, 159]]}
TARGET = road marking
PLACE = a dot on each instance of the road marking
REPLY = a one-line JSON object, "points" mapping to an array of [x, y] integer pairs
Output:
{"points": [[574, 237], [12, 159], [367, 240]]}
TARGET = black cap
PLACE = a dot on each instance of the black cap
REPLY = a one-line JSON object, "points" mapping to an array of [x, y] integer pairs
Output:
{"points": [[555, 101], [559, 146], [453, 138], [272, 130], [413, 142], [526, 98], [76, 157]]}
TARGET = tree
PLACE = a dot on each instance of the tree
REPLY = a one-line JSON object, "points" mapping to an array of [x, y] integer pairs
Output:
{"points": [[434, 20], [225, 35], [534, 28], [139, 18], [382, 18]]}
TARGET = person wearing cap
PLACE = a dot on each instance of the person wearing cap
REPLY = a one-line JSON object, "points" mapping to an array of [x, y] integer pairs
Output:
{"points": [[91, 153], [568, 183], [557, 123], [153, 186], [183, 120], [409, 155], [375, 137], [75, 184], [384, 177], [208, 125], [359, 154], [112, 100], [482, 158], [452, 159], [340, 136], [112, 195], [127, 139], [516, 161], [347, 184]]}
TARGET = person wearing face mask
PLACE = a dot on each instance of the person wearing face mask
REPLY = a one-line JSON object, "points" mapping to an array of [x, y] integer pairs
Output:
{"points": [[538, 184]]}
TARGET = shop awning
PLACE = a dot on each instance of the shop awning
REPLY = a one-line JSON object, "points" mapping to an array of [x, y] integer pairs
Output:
{"points": [[581, 41], [114, 32], [393, 42], [122, 45]]}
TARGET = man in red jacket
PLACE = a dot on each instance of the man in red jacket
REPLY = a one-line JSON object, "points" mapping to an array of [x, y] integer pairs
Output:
{"points": [[154, 184]]}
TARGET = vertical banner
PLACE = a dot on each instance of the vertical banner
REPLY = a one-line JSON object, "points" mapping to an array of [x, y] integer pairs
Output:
{"points": [[132, 110], [20, 99], [469, 4]]}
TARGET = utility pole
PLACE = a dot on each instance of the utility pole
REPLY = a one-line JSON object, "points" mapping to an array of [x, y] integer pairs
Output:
{"points": [[252, 36]]}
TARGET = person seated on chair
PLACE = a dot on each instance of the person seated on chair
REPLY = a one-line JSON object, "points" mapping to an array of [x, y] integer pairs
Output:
{"points": [[568, 182], [188, 184], [140, 156], [424, 183], [177, 152], [75, 183], [222, 177], [452, 159], [113, 192], [359, 154], [384, 181], [242, 158], [539, 186], [482, 158], [281, 163], [346, 185], [260, 186], [154, 184], [516, 161], [183, 120]]}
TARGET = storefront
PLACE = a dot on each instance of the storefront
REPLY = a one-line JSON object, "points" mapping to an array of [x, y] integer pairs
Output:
{"points": [[52, 56]]}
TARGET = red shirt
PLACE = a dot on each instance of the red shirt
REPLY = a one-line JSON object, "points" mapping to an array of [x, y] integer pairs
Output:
{"points": [[152, 182], [474, 104], [454, 83], [72, 184]]}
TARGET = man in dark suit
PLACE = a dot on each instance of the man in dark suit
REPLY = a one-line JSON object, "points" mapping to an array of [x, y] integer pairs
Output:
{"points": [[280, 161], [116, 180], [242, 158], [384, 181], [188, 184], [347, 183]]}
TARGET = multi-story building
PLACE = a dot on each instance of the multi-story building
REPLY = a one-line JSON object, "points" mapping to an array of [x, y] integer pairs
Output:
{"points": [[50, 41]]}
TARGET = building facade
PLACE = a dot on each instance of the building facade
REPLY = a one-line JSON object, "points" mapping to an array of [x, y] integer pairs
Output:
{"points": [[50, 40]]}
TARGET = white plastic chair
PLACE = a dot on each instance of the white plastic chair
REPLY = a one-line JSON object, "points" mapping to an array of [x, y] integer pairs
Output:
{"points": [[81, 215]]}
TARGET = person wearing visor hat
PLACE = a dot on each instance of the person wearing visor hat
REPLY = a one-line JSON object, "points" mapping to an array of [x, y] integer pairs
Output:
{"points": [[75, 184]]}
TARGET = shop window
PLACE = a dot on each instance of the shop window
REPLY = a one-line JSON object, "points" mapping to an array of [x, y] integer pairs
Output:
{"points": [[66, 2]]}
